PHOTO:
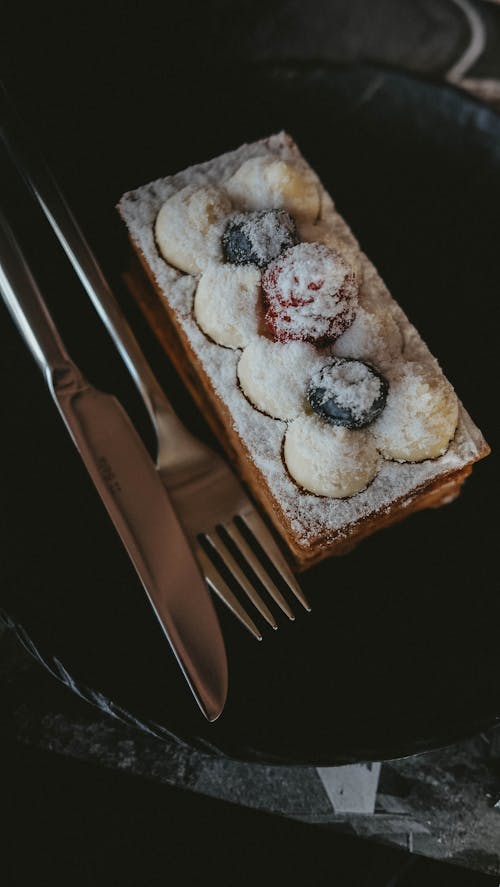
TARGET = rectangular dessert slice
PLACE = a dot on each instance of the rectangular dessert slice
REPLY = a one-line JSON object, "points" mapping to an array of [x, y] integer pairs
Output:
{"points": [[323, 394]]}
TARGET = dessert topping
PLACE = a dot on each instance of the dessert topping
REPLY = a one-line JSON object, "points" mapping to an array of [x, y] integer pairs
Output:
{"points": [[258, 237], [267, 182], [274, 375], [348, 392], [421, 415], [327, 460], [225, 304], [310, 294], [187, 227]]}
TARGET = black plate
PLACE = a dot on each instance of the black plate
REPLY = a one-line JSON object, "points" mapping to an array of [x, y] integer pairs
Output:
{"points": [[400, 652]]}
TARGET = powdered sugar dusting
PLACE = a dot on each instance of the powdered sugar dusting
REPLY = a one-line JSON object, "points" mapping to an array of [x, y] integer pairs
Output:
{"points": [[258, 237], [352, 385], [421, 414], [329, 460], [266, 181], [274, 375], [226, 303], [331, 230], [310, 292], [308, 515]]}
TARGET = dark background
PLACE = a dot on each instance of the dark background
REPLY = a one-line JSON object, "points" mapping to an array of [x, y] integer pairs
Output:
{"points": [[104, 90]]}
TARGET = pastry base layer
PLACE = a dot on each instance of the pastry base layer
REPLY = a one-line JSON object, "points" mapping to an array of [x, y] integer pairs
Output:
{"points": [[432, 494]]}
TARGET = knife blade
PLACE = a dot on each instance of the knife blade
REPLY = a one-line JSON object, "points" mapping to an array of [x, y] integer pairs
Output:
{"points": [[129, 486]]}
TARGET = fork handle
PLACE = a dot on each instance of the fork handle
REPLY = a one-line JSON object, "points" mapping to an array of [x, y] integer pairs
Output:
{"points": [[40, 181], [30, 313]]}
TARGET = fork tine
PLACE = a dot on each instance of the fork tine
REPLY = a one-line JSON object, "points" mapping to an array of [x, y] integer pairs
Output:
{"points": [[263, 536], [258, 568], [222, 590], [223, 551]]}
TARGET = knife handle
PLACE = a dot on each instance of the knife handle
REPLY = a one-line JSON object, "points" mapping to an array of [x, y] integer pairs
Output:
{"points": [[29, 311]]}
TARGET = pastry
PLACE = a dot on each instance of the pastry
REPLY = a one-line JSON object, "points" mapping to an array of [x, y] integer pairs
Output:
{"points": [[327, 400]]}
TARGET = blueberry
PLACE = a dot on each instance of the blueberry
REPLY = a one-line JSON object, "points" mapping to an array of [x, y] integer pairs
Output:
{"points": [[258, 237], [348, 392]]}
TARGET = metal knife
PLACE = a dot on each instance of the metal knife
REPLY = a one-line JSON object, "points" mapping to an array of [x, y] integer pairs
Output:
{"points": [[125, 478]]}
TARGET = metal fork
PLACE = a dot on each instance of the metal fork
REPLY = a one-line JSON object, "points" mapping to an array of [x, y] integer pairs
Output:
{"points": [[216, 513]]}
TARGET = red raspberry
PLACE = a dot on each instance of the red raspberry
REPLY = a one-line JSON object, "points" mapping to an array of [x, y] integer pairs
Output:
{"points": [[310, 294]]}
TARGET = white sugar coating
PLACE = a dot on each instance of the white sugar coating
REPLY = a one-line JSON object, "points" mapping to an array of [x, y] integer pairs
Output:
{"points": [[376, 333], [308, 515], [376, 298], [351, 384], [332, 231], [226, 304], [188, 227], [328, 460], [267, 182], [308, 287], [420, 416], [306, 265], [274, 375], [373, 336], [268, 233]]}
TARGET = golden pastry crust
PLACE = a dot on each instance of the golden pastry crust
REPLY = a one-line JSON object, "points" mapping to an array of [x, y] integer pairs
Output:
{"points": [[310, 526], [161, 318]]}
